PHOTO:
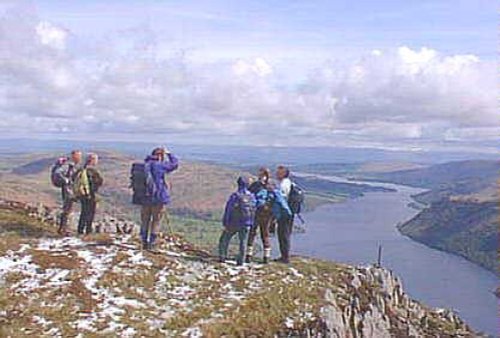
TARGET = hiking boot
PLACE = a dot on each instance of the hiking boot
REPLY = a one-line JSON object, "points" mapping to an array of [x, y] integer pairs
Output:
{"points": [[282, 260], [248, 259], [222, 260], [265, 260], [145, 246]]}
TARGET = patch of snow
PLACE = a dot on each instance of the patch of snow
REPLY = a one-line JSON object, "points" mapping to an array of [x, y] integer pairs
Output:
{"points": [[139, 259], [193, 332]]}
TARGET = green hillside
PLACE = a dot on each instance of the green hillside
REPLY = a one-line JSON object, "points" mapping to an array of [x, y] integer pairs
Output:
{"points": [[466, 228]]}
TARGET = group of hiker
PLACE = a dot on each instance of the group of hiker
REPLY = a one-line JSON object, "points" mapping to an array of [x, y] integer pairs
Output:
{"points": [[256, 206], [79, 181]]}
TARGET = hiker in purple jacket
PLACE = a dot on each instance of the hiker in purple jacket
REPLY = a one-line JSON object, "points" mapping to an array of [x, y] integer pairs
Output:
{"points": [[238, 219], [159, 163]]}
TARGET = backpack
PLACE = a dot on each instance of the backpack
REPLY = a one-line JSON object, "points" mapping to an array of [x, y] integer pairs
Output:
{"points": [[296, 199], [81, 184], [57, 174], [138, 183], [244, 209]]}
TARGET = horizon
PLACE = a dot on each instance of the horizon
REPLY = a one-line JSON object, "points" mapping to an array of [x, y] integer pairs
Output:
{"points": [[281, 74]]}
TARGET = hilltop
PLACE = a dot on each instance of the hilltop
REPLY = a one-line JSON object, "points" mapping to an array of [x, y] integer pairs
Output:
{"points": [[104, 285]]}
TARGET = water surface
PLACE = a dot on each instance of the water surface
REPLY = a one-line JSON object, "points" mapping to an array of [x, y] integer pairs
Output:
{"points": [[350, 232]]}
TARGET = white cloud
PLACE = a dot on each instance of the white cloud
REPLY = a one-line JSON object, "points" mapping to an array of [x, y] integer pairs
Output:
{"points": [[51, 35], [400, 95]]}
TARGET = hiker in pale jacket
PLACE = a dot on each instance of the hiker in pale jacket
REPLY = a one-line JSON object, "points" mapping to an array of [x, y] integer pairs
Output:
{"points": [[283, 214]]}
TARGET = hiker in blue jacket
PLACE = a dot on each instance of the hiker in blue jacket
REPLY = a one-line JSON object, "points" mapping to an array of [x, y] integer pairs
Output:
{"points": [[238, 219], [263, 215], [157, 165]]}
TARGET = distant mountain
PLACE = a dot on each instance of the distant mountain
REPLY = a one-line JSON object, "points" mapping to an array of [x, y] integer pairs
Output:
{"points": [[249, 155], [462, 213], [474, 174], [318, 186], [466, 228]]}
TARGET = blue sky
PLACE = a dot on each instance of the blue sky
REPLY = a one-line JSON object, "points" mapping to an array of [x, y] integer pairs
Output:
{"points": [[265, 28], [390, 74]]}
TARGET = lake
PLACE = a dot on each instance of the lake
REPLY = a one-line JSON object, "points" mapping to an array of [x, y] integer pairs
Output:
{"points": [[351, 232]]}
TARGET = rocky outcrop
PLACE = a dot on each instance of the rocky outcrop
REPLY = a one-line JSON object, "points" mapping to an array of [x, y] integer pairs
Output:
{"points": [[103, 223], [386, 311]]}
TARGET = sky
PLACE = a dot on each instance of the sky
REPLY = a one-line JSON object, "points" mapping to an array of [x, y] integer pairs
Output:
{"points": [[405, 75]]}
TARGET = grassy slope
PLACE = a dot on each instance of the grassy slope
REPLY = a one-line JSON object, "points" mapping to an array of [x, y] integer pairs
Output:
{"points": [[105, 286]]}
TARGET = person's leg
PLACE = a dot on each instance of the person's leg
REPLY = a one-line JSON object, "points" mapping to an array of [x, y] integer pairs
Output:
{"points": [[92, 204], [251, 239], [264, 233], [284, 233], [288, 226], [224, 240], [157, 215], [67, 207], [145, 221], [83, 214], [243, 237]]}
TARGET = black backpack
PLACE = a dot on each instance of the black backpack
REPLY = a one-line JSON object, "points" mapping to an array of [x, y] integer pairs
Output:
{"points": [[58, 174], [296, 199], [138, 183]]}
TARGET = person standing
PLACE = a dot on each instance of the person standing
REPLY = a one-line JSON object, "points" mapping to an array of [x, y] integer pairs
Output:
{"points": [[263, 215], [283, 213], [64, 172], [88, 181], [157, 165], [238, 219]]}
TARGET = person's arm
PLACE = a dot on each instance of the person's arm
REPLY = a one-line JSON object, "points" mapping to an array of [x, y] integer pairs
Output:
{"points": [[98, 179], [228, 210], [172, 163], [286, 187]]}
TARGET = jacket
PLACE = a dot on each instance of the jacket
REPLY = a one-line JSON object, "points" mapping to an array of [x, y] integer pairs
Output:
{"points": [[280, 205], [261, 193], [155, 178]]}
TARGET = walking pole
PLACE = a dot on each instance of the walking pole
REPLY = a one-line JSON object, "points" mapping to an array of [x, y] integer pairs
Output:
{"points": [[379, 259]]}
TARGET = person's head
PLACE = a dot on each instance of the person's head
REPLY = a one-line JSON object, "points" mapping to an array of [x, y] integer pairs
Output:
{"points": [[92, 159], [242, 182], [264, 174], [282, 172], [76, 156], [159, 153]]}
